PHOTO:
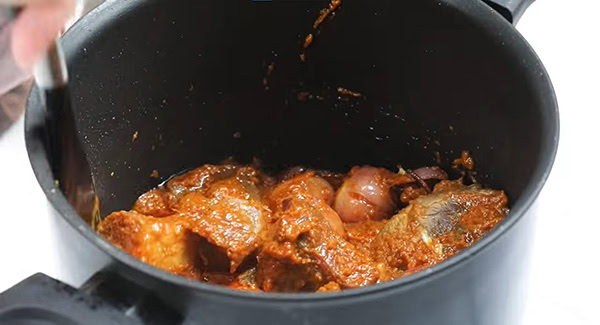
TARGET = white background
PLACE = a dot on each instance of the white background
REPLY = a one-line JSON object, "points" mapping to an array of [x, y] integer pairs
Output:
{"points": [[564, 286]]}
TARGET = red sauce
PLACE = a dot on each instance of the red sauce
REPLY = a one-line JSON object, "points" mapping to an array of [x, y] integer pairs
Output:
{"points": [[235, 226]]}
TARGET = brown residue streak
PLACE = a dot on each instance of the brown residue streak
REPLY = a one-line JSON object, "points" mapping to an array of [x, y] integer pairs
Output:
{"points": [[308, 40], [346, 92], [270, 69], [465, 161], [325, 12], [134, 137]]}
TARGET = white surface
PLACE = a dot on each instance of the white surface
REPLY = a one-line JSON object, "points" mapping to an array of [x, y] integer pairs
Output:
{"points": [[564, 285]]}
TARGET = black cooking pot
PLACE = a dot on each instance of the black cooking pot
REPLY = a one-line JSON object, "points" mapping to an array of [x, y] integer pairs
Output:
{"points": [[192, 80]]}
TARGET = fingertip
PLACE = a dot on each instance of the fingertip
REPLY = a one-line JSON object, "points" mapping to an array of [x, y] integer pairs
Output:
{"points": [[35, 29]]}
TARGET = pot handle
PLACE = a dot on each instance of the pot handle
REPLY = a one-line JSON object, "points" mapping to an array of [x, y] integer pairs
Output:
{"points": [[104, 299], [512, 10]]}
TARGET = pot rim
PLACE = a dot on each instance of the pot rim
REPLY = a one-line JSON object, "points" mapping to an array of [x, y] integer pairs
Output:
{"points": [[480, 13]]}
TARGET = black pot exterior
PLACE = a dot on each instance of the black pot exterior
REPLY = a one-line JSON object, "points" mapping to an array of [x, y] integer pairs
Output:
{"points": [[191, 80], [486, 288]]}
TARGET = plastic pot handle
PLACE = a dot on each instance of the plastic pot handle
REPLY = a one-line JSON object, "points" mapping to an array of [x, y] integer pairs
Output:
{"points": [[512, 10], [104, 299]]}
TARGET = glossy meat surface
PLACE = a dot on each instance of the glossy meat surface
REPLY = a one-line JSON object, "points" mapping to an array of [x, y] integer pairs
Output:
{"points": [[221, 206], [436, 226], [304, 252], [163, 242], [303, 230]]}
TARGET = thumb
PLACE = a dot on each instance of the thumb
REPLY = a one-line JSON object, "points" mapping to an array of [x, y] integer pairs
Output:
{"points": [[36, 28]]}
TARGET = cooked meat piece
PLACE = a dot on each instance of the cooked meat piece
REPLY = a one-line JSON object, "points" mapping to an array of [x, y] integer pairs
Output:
{"points": [[334, 220], [304, 183], [330, 287], [307, 185], [226, 216], [304, 252], [252, 180], [199, 178], [309, 231], [399, 245], [278, 274], [230, 217], [434, 227], [212, 257], [362, 233], [156, 203], [163, 242]]}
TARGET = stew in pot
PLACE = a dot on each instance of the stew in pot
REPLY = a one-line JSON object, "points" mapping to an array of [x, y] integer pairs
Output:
{"points": [[304, 230]]}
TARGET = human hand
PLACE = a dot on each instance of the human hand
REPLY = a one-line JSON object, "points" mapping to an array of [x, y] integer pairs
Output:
{"points": [[36, 27]]}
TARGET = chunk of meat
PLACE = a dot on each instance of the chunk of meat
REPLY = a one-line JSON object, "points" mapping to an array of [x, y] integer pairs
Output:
{"points": [[362, 233], [330, 287], [400, 245], [333, 178], [234, 226], [230, 217], [304, 252], [433, 227], [162, 242], [307, 185], [226, 217], [156, 203], [199, 178]]}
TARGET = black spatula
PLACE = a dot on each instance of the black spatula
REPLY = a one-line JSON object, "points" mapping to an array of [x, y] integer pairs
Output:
{"points": [[69, 162]]}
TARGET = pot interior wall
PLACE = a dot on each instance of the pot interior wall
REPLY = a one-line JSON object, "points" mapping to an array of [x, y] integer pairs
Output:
{"points": [[187, 78]]}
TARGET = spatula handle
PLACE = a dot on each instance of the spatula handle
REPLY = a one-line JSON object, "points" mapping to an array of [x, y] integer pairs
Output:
{"points": [[50, 72]]}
